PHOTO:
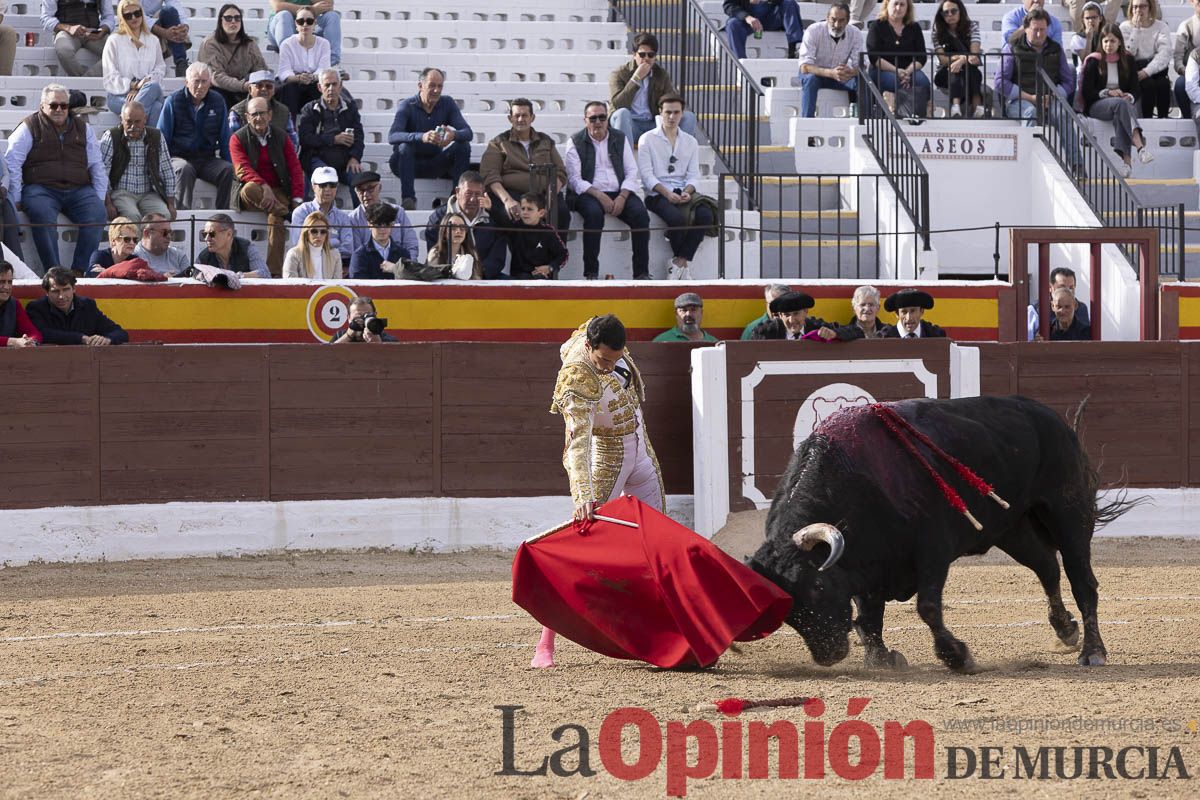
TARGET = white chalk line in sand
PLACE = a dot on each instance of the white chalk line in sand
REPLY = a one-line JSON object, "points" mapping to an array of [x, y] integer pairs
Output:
{"points": [[265, 626], [133, 669], [273, 626]]}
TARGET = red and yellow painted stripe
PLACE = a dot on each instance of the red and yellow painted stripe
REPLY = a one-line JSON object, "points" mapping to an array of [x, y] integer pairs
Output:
{"points": [[280, 312], [1189, 308]]}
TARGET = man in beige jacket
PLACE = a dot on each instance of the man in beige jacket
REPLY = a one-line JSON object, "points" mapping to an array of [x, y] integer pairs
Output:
{"points": [[507, 162]]}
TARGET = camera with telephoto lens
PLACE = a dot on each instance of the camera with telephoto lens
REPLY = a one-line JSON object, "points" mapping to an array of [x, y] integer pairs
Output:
{"points": [[370, 322]]}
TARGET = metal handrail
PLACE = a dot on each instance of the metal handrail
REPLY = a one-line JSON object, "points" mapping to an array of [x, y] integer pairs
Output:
{"points": [[1100, 184], [725, 97], [895, 155]]}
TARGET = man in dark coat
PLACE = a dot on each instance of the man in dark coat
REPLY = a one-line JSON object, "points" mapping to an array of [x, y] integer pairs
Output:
{"points": [[909, 305], [1066, 326], [791, 320], [64, 317]]}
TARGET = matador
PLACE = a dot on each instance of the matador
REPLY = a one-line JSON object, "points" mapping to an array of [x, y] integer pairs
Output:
{"points": [[599, 394]]}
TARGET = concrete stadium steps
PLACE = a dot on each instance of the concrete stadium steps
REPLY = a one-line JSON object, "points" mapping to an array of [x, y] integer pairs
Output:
{"points": [[809, 231], [1172, 191]]}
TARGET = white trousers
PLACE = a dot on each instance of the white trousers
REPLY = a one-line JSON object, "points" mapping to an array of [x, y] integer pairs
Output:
{"points": [[638, 477]]}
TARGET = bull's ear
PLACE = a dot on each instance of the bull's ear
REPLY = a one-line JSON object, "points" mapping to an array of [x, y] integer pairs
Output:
{"points": [[810, 536]]}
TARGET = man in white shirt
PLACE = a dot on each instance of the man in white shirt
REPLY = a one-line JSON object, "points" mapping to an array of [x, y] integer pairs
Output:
{"points": [[602, 176], [829, 56], [669, 162]]}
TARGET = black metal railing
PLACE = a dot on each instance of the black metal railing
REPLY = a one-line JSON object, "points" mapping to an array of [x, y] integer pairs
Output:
{"points": [[1100, 182], [899, 161], [726, 99], [815, 226]]}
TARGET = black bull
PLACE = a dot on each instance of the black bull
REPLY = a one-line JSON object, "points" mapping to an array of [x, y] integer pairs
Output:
{"points": [[893, 533]]}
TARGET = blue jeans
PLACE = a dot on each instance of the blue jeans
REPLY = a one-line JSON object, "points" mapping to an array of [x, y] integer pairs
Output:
{"points": [[917, 94], [634, 127], [783, 17], [412, 160], [80, 205], [810, 84], [150, 96], [1181, 97], [169, 18], [684, 241], [1023, 109], [329, 27], [634, 215]]}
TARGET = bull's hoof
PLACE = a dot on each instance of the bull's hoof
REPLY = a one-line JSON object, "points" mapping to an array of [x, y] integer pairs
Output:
{"points": [[1069, 634], [882, 658], [897, 661], [1092, 660], [861, 634], [967, 667]]}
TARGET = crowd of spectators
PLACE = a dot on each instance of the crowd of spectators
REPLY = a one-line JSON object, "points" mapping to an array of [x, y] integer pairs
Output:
{"points": [[634, 155]]}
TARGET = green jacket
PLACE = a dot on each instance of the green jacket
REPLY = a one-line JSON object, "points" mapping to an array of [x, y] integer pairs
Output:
{"points": [[676, 335]]}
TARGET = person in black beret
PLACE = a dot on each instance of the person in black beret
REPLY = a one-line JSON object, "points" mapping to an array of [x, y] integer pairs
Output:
{"points": [[791, 319], [909, 305]]}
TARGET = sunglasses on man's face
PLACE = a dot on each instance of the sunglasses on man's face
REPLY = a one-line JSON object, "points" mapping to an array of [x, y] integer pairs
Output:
{"points": [[597, 117], [646, 54], [208, 234], [57, 106]]}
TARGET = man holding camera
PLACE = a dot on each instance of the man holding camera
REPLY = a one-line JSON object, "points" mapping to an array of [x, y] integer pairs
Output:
{"points": [[364, 324]]}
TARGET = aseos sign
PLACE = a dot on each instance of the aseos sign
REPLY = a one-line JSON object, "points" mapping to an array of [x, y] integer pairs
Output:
{"points": [[965, 146]]}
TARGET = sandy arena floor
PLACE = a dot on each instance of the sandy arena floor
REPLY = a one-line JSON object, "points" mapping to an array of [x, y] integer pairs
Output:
{"points": [[377, 675]]}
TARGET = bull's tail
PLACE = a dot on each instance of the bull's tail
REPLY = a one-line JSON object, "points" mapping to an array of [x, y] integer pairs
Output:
{"points": [[1102, 513]]}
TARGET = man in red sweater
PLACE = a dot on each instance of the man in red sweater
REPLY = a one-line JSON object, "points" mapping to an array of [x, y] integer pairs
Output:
{"points": [[268, 169], [15, 328]]}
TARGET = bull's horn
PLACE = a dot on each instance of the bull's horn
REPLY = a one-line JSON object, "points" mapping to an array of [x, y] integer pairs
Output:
{"points": [[807, 538]]}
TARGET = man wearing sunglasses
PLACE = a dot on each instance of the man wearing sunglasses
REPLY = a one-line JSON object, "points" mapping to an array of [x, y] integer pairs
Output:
{"points": [[54, 166], [603, 178], [269, 172], [634, 90], [325, 189], [79, 25]]}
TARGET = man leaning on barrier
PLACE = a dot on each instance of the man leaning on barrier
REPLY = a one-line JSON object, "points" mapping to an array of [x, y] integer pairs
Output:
{"points": [[829, 57], [64, 317]]}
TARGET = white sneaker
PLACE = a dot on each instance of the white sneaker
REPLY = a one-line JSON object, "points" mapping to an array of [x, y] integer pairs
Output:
{"points": [[978, 112], [1145, 156], [955, 111], [1126, 170], [678, 273]]}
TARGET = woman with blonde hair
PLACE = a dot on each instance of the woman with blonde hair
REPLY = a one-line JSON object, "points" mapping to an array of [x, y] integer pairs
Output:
{"points": [[122, 239], [896, 49], [1149, 41], [133, 62], [313, 257], [454, 247]]}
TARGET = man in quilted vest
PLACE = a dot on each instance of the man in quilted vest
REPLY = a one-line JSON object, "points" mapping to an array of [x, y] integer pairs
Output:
{"points": [[54, 166]]}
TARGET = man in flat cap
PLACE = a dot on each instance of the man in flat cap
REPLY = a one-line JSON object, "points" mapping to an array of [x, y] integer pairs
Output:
{"points": [[909, 305], [689, 312], [791, 319], [367, 188]]}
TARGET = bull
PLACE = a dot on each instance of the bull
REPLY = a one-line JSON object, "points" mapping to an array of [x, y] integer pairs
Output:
{"points": [[861, 517]]}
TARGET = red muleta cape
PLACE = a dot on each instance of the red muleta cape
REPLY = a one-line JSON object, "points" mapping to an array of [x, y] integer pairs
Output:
{"points": [[659, 593]]}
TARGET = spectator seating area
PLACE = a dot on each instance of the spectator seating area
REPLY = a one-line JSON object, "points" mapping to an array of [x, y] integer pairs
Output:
{"points": [[560, 58]]}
